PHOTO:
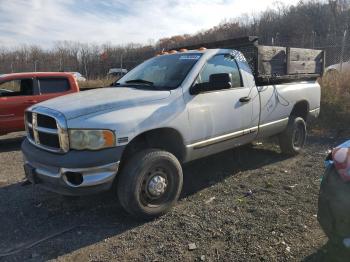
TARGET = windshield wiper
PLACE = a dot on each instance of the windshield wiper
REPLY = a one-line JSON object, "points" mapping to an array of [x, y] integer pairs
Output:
{"points": [[140, 81]]}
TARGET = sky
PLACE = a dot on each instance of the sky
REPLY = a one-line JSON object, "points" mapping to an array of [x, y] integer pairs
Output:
{"points": [[118, 22]]}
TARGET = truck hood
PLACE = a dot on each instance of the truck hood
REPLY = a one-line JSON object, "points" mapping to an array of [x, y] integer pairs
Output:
{"points": [[93, 101]]}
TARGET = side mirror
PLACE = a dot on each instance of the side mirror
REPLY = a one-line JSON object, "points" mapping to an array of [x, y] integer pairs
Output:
{"points": [[216, 82], [222, 78]]}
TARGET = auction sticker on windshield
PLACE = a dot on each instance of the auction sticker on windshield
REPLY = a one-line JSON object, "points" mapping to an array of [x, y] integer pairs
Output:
{"points": [[189, 57]]}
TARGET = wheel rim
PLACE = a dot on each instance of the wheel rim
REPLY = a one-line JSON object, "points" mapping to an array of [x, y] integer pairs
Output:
{"points": [[155, 187], [299, 136]]}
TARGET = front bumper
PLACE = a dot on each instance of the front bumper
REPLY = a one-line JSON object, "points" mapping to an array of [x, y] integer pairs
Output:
{"points": [[73, 173]]}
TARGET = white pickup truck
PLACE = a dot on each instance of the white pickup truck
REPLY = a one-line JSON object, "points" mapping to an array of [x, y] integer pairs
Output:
{"points": [[171, 109]]}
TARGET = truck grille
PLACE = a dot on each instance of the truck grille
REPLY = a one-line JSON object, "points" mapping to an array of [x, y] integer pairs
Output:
{"points": [[46, 121], [47, 129]]}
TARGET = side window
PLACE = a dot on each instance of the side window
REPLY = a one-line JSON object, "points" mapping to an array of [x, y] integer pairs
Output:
{"points": [[221, 64], [13, 85], [18, 87], [53, 85]]}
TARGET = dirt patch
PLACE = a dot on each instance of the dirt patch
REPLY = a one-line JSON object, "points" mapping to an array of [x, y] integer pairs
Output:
{"points": [[249, 204]]}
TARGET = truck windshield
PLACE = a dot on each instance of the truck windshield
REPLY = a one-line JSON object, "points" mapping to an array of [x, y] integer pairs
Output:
{"points": [[161, 72]]}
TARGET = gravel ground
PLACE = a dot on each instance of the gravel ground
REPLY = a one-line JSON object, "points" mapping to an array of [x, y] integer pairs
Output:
{"points": [[248, 204]]}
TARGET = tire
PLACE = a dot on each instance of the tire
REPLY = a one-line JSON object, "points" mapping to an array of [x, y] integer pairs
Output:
{"points": [[146, 168], [293, 138]]}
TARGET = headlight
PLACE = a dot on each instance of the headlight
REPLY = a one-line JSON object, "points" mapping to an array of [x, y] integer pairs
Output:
{"points": [[91, 139]]}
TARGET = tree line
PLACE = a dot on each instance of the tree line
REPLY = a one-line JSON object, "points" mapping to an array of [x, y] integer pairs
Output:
{"points": [[319, 24]]}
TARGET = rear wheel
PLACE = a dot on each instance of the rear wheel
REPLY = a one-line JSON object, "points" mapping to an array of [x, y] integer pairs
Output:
{"points": [[293, 138], [150, 183]]}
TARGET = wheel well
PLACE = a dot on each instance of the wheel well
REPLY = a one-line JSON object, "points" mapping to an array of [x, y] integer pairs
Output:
{"points": [[301, 109], [167, 139]]}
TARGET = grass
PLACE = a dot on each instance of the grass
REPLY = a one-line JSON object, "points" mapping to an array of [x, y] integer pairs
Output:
{"points": [[335, 101]]}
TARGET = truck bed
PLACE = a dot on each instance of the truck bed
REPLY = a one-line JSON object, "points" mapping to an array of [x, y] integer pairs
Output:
{"points": [[274, 64]]}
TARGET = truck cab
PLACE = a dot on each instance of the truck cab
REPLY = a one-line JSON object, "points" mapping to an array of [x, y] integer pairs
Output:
{"points": [[21, 90], [171, 109]]}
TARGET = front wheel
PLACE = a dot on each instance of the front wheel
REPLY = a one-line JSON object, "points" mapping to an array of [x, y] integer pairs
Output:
{"points": [[293, 138], [150, 183]]}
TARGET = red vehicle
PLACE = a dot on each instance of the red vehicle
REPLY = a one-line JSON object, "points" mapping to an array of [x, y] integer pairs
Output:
{"points": [[21, 90]]}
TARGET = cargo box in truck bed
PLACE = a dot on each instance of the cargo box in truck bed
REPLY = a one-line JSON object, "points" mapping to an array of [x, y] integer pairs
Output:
{"points": [[274, 64]]}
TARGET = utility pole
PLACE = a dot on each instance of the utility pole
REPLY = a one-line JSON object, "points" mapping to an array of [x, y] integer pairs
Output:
{"points": [[343, 50], [313, 38], [60, 65], [35, 65], [121, 65]]}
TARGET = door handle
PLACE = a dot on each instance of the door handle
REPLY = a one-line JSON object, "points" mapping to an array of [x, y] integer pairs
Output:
{"points": [[30, 102], [245, 99]]}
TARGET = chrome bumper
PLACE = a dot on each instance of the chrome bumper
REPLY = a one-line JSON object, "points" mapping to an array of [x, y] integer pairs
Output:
{"points": [[91, 180], [95, 170]]}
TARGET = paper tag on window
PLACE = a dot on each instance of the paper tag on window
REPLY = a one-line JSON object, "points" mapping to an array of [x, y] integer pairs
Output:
{"points": [[189, 57]]}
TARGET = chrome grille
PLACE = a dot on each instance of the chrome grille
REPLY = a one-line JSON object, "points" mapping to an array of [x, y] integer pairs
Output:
{"points": [[46, 121], [47, 129]]}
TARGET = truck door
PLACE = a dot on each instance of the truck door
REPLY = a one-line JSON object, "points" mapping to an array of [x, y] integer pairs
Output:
{"points": [[16, 97], [221, 119]]}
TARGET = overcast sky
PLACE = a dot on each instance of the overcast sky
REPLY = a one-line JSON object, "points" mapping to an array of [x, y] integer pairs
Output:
{"points": [[42, 22]]}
